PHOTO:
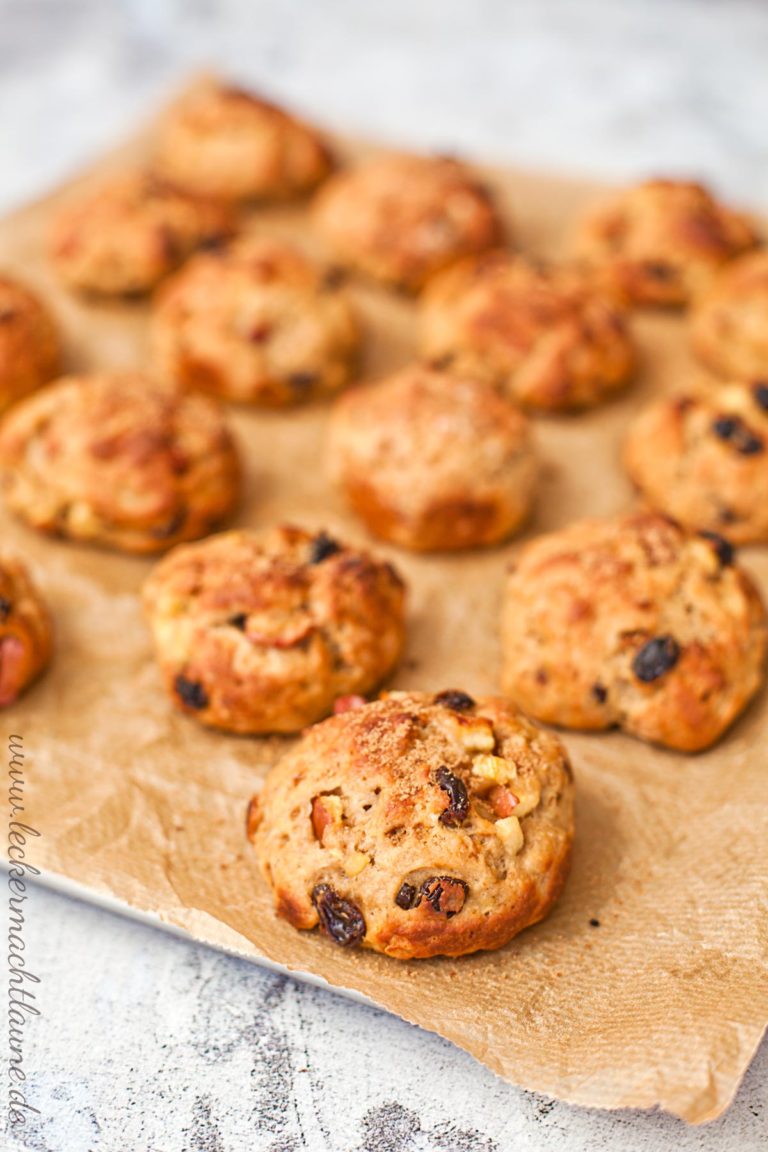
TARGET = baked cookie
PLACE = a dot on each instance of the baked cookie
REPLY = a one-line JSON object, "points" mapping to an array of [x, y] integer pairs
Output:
{"points": [[633, 622], [703, 458], [258, 323], [262, 631], [229, 144], [121, 237], [729, 324], [25, 631], [433, 461], [29, 342], [418, 825], [662, 241], [401, 218], [546, 335], [114, 459]]}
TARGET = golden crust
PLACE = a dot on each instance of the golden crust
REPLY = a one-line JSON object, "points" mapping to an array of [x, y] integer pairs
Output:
{"points": [[411, 834], [662, 241], [25, 631], [703, 458], [262, 631], [729, 324], [548, 336], [402, 218], [636, 623], [223, 142], [122, 236], [258, 323], [29, 343], [116, 460], [433, 461]]}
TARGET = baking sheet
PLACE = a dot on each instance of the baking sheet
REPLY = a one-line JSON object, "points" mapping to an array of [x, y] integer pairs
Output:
{"points": [[665, 1002]]}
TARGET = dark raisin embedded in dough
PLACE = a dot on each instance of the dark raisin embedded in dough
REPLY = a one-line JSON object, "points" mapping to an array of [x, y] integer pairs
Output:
{"points": [[407, 896], [656, 658], [457, 809], [600, 693], [760, 392], [5, 609], [339, 918], [302, 381], [594, 923], [334, 278], [322, 547], [191, 693], [239, 621], [739, 435], [452, 698], [722, 547], [659, 270], [445, 894]]}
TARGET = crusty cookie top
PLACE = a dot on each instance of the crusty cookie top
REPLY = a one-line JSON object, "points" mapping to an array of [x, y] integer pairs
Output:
{"points": [[29, 342], [729, 325]]}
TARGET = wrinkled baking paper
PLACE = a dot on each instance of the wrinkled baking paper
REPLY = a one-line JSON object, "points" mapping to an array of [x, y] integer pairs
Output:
{"points": [[665, 1001]]}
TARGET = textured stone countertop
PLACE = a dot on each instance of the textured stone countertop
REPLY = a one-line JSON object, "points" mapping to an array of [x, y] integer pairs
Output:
{"points": [[146, 1042]]}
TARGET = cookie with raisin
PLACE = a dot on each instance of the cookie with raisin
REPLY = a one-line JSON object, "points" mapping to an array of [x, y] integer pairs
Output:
{"points": [[702, 457], [729, 323], [115, 459], [26, 633], [661, 242], [258, 323], [546, 335], [401, 218], [633, 622], [433, 461], [261, 631], [30, 348], [418, 825]]}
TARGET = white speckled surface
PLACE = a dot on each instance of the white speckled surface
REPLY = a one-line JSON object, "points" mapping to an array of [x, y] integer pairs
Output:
{"points": [[146, 1042]]}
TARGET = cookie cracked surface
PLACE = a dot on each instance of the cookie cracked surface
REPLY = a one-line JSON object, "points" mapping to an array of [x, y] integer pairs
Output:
{"points": [[418, 825], [729, 324]]}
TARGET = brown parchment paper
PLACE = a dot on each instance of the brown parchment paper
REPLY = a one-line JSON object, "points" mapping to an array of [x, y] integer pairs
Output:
{"points": [[665, 1002]]}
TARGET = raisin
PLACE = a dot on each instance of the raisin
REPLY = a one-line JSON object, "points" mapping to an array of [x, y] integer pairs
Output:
{"points": [[655, 658], [440, 363], [334, 278], [213, 242], [239, 621], [600, 693], [659, 270], [5, 609], [407, 896], [594, 923], [191, 693], [722, 547], [445, 894], [760, 393], [339, 918], [452, 698], [171, 526], [260, 333], [302, 381], [322, 547], [458, 798], [739, 435]]}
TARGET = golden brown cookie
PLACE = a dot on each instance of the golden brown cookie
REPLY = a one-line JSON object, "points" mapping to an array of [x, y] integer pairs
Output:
{"points": [[703, 458], [262, 631], [122, 236], [258, 322], [25, 630], [661, 242], [548, 336], [418, 825], [29, 342], [729, 324], [229, 144], [433, 461], [633, 622], [115, 459], [401, 218]]}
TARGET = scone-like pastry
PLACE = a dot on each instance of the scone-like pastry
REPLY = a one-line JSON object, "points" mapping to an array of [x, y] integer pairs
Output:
{"points": [[433, 461], [121, 237], [729, 324], [418, 825], [548, 336], [637, 623], [229, 144], [661, 242], [29, 342], [262, 631], [115, 459], [258, 322], [25, 630], [703, 458], [401, 218]]}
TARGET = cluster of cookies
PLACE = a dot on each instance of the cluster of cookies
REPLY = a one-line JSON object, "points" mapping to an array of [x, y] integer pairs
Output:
{"points": [[416, 824]]}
